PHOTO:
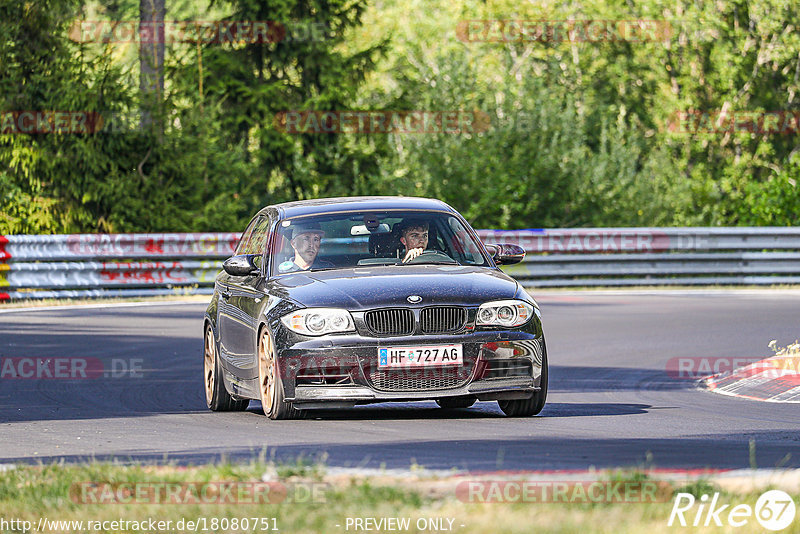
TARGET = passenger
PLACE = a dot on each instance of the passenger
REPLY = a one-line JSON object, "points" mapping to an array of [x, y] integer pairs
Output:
{"points": [[306, 241]]}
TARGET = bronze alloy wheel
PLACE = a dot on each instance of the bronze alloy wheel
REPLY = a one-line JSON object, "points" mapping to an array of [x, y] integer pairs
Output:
{"points": [[217, 397], [266, 372], [269, 384], [209, 358]]}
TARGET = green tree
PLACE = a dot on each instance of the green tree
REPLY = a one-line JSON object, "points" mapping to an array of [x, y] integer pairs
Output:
{"points": [[303, 68]]}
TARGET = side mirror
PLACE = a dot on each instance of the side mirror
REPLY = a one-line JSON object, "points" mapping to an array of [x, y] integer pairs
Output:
{"points": [[241, 265], [505, 253]]}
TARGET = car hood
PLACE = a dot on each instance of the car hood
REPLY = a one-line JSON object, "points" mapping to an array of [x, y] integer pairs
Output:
{"points": [[365, 288]]}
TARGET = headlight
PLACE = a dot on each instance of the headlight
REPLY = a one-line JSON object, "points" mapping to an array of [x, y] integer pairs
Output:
{"points": [[508, 313], [318, 321]]}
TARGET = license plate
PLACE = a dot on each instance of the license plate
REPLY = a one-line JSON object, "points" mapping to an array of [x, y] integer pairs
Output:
{"points": [[420, 356]]}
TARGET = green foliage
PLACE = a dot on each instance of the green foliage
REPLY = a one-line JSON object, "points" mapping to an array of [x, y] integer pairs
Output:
{"points": [[578, 132], [773, 202], [542, 162], [213, 156], [698, 488], [306, 70]]}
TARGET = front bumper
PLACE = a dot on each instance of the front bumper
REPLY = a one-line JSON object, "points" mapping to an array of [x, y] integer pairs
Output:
{"points": [[333, 371], [336, 396]]}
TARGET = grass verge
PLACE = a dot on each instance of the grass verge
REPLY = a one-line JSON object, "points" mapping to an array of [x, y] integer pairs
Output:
{"points": [[303, 497]]}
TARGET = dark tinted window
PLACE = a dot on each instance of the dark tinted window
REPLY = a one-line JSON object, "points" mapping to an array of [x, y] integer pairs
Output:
{"points": [[258, 238], [246, 236], [346, 240]]}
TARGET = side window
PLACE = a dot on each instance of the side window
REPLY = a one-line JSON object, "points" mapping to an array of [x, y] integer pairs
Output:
{"points": [[258, 238], [240, 248]]}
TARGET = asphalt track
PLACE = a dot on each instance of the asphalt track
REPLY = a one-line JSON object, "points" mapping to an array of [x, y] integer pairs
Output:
{"points": [[611, 403]]}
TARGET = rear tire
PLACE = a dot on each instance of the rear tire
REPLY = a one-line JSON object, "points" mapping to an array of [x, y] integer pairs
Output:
{"points": [[270, 385], [217, 397], [454, 403], [533, 405]]}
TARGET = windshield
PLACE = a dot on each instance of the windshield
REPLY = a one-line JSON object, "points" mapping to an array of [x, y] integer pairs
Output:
{"points": [[344, 240]]}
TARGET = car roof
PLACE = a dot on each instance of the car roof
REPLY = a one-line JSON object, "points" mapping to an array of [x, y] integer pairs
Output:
{"points": [[328, 205]]}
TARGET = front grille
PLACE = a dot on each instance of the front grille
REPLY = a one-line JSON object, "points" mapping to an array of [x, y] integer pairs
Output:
{"points": [[418, 379], [508, 368], [442, 319], [391, 322]]}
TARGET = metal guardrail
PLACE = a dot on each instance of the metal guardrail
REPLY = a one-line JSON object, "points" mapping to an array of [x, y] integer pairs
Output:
{"points": [[115, 265], [94, 265], [654, 256]]}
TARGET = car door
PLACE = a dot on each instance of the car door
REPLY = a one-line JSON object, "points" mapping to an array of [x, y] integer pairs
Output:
{"points": [[243, 303], [232, 323]]}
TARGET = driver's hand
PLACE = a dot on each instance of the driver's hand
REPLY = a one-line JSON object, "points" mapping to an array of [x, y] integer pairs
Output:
{"points": [[411, 254]]}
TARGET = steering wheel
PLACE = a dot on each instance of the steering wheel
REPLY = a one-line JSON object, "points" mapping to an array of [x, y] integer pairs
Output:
{"points": [[433, 256]]}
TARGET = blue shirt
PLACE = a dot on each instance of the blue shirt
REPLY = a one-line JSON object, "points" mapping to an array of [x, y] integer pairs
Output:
{"points": [[290, 266]]}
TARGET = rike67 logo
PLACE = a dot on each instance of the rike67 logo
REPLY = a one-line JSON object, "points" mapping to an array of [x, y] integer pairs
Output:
{"points": [[774, 510]]}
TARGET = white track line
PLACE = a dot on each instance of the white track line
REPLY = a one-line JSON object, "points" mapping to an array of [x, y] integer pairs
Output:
{"points": [[101, 306]]}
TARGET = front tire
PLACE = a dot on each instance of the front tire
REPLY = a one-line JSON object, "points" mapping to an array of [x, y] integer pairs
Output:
{"points": [[217, 397], [270, 386], [533, 405]]}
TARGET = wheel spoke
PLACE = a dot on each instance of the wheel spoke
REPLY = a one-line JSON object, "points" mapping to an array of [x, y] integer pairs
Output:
{"points": [[265, 364]]}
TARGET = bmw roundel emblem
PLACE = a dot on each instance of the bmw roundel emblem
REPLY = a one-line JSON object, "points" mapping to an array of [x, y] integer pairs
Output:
{"points": [[413, 299]]}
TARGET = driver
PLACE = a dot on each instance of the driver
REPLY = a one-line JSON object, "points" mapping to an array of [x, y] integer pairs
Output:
{"points": [[306, 240], [414, 237]]}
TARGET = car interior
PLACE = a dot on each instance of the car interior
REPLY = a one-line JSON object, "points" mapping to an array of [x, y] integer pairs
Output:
{"points": [[367, 239]]}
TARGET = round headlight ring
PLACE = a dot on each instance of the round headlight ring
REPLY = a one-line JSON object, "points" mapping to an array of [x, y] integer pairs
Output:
{"points": [[486, 315], [337, 322], [506, 315], [315, 322]]}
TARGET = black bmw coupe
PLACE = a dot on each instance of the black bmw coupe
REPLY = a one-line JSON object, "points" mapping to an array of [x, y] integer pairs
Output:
{"points": [[344, 301]]}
